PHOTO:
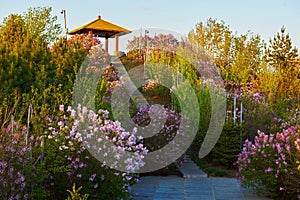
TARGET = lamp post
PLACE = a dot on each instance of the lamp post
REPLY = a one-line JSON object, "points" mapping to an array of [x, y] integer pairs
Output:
{"points": [[146, 32], [65, 21]]}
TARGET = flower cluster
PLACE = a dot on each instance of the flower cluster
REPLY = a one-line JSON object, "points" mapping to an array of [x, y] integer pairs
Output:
{"points": [[81, 135], [164, 126], [110, 73], [270, 162], [14, 158], [86, 41]]}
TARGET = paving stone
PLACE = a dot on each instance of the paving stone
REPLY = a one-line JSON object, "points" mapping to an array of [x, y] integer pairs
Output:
{"points": [[195, 186], [190, 170]]}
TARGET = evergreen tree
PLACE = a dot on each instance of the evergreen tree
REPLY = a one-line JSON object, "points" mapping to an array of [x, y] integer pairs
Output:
{"points": [[283, 59]]}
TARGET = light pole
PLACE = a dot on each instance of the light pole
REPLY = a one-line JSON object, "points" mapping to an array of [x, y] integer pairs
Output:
{"points": [[65, 21], [146, 32]]}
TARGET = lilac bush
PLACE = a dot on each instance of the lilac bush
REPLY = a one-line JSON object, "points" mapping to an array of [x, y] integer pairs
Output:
{"points": [[51, 162], [14, 158], [269, 164], [73, 142], [164, 127]]}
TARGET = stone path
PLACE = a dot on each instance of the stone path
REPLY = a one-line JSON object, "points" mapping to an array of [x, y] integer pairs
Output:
{"points": [[195, 185]]}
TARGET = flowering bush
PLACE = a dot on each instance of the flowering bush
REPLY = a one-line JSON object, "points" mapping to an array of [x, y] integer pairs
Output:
{"points": [[269, 164], [106, 85], [164, 126], [13, 160], [76, 144], [85, 40], [46, 165]]}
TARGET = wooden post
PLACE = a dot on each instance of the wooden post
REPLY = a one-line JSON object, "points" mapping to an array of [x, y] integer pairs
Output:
{"points": [[106, 45], [91, 33], [117, 44], [28, 123]]}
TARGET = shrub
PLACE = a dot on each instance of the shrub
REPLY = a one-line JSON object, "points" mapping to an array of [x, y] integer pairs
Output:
{"points": [[13, 161], [269, 164], [50, 162], [163, 132], [68, 147], [228, 146]]}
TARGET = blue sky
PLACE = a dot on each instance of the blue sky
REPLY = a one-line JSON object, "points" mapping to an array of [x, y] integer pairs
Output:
{"points": [[264, 17]]}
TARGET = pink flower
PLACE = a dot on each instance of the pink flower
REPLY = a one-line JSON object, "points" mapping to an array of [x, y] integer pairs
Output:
{"points": [[281, 188], [269, 169]]}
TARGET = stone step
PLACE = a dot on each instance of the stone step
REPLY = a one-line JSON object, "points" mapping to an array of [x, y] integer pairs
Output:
{"points": [[129, 83]]}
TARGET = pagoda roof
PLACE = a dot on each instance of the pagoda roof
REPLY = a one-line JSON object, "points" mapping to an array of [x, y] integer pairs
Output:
{"points": [[100, 28]]}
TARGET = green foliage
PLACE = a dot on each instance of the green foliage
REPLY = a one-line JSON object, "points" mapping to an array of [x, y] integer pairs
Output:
{"points": [[245, 59], [38, 69], [257, 116], [67, 59], [102, 94], [283, 58], [215, 38], [39, 22], [280, 53], [23, 55], [25, 59], [228, 146], [238, 57], [220, 173]]}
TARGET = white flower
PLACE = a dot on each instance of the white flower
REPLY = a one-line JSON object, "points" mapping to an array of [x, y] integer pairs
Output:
{"points": [[61, 108]]}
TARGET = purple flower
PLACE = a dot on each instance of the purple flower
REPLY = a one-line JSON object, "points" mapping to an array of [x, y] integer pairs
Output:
{"points": [[92, 177], [79, 175], [257, 96], [269, 169]]}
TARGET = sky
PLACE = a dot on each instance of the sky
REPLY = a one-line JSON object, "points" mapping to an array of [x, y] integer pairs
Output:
{"points": [[263, 17]]}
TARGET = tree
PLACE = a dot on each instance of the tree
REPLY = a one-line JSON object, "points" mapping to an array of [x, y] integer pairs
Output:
{"points": [[23, 55], [40, 23], [280, 54], [66, 59], [246, 58], [283, 59], [216, 38], [25, 59], [238, 57]]}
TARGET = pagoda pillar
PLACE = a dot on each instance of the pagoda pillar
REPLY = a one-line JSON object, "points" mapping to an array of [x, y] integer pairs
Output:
{"points": [[106, 44], [117, 44]]}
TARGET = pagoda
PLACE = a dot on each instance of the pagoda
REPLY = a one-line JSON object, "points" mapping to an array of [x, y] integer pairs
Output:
{"points": [[102, 28]]}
